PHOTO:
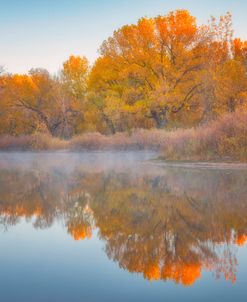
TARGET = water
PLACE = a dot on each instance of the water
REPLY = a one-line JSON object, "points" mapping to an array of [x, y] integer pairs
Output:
{"points": [[105, 226]]}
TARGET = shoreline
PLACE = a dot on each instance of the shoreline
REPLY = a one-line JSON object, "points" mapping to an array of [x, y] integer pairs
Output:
{"points": [[212, 165]]}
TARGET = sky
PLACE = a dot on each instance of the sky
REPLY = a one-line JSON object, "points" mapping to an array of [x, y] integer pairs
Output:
{"points": [[44, 33]]}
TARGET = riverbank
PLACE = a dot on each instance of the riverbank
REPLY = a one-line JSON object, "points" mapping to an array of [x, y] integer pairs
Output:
{"points": [[201, 165], [222, 140]]}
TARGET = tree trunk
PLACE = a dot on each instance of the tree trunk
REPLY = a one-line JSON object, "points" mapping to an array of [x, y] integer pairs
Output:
{"points": [[51, 127], [109, 123], [160, 118], [231, 104]]}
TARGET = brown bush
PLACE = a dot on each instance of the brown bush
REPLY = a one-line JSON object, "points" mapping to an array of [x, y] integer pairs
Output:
{"points": [[223, 139], [139, 139], [15, 143], [35, 142]]}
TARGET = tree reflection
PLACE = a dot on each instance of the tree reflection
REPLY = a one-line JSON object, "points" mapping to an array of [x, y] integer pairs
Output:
{"points": [[165, 224]]}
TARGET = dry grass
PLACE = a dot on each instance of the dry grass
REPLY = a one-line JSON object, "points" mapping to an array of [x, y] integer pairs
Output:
{"points": [[139, 140], [37, 142], [14, 143], [224, 139]]}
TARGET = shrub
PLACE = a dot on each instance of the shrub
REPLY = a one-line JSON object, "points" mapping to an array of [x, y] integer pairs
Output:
{"points": [[35, 142], [223, 139]]}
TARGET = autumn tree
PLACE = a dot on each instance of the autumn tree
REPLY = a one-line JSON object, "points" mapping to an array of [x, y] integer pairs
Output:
{"points": [[42, 102], [231, 91], [153, 67], [225, 81], [240, 51], [34, 95], [74, 74], [13, 120], [74, 78]]}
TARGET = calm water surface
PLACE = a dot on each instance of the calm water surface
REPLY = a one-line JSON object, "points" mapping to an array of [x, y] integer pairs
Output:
{"points": [[117, 227]]}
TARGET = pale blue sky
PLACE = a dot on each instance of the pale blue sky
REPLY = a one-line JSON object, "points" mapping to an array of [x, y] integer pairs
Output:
{"points": [[43, 33]]}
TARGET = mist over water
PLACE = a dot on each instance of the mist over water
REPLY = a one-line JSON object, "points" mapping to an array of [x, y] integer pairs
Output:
{"points": [[115, 226]]}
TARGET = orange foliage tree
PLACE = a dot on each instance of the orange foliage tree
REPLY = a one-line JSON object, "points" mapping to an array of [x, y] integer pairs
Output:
{"points": [[167, 69]]}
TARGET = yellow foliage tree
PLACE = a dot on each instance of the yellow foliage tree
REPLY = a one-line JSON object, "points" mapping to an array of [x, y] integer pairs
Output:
{"points": [[153, 67]]}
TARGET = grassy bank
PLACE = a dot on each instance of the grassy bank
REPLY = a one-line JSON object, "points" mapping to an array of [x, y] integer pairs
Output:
{"points": [[139, 140], [224, 139]]}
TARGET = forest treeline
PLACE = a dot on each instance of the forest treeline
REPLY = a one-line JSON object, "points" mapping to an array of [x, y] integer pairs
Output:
{"points": [[161, 72]]}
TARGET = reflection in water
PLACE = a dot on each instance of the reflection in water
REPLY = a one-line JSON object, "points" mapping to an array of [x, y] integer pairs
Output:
{"points": [[167, 224]]}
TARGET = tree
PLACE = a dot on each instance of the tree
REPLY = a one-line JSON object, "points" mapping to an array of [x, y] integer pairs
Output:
{"points": [[153, 67], [74, 74], [42, 102], [74, 78], [240, 51], [231, 90], [34, 94]]}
